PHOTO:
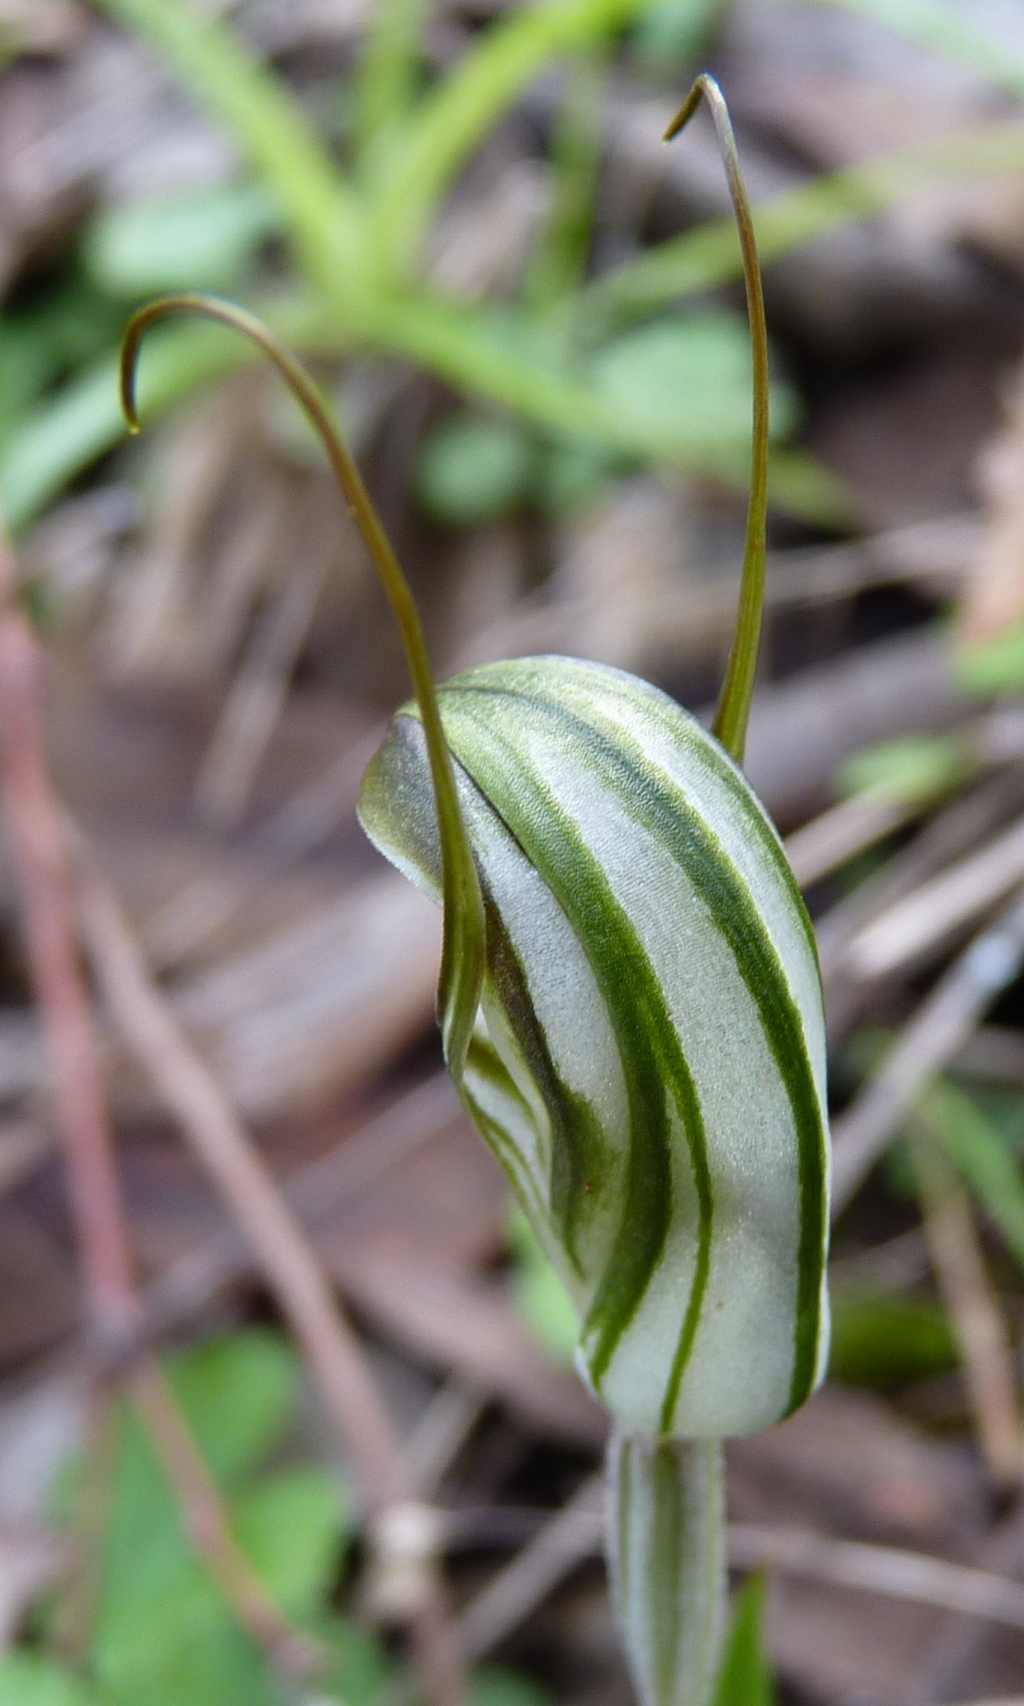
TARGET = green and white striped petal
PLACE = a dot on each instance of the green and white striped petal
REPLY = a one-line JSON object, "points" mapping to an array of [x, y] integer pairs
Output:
{"points": [[648, 1059]]}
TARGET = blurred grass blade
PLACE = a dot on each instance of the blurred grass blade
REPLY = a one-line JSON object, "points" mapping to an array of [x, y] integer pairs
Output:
{"points": [[472, 350], [949, 30], [982, 1155], [498, 356], [479, 92], [84, 420], [575, 159], [203, 240], [745, 1678], [710, 255], [26, 1679], [324, 218], [387, 77]]}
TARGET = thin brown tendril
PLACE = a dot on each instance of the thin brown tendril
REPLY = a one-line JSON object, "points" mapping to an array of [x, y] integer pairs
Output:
{"points": [[733, 712], [463, 953]]}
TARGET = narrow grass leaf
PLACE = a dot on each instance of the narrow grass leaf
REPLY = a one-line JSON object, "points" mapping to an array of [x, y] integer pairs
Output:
{"points": [[317, 206], [709, 256], [983, 1157], [745, 1677], [951, 31]]}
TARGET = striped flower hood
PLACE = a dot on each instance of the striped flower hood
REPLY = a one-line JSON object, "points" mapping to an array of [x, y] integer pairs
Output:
{"points": [[648, 1060]]}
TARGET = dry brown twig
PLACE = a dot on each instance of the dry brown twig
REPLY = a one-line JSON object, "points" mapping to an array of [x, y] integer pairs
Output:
{"points": [[838, 834], [313, 1193], [993, 594], [36, 835], [944, 1019], [974, 1310], [577, 1533], [913, 926], [226, 1152]]}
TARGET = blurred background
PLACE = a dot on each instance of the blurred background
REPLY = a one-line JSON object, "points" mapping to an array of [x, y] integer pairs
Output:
{"points": [[528, 312]]}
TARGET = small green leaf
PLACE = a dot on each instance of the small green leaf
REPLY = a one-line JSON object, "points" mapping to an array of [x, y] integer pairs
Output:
{"points": [[362, 1667], [473, 470], [163, 1632], [686, 381], [881, 1341], [913, 768], [495, 1686], [29, 1681], [671, 33], [572, 475], [983, 1156], [540, 1294], [293, 1527], [745, 1678], [997, 666], [201, 241], [238, 1393]]}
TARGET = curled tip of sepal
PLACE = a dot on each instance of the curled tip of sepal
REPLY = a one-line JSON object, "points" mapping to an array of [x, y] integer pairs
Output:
{"points": [[648, 1057], [733, 711], [665, 1542], [462, 958]]}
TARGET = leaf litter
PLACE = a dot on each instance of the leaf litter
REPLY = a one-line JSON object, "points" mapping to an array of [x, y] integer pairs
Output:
{"points": [[206, 719]]}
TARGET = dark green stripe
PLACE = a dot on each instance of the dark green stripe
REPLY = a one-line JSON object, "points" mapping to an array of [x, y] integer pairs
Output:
{"points": [[651, 1054], [624, 1496], [484, 1063], [658, 805], [641, 697], [668, 1555], [665, 814], [579, 1150], [701, 747]]}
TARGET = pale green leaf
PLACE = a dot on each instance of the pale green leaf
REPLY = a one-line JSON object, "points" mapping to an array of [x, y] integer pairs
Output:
{"points": [[315, 203], [293, 1527], [201, 241], [983, 1157], [745, 1677], [163, 1631], [914, 768], [995, 666], [472, 470], [238, 1393], [26, 1680], [686, 381], [709, 255], [495, 1686], [457, 115], [83, 420]]}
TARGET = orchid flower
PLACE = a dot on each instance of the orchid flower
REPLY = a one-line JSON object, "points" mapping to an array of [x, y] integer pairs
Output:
{"points": [[631, 1011]]}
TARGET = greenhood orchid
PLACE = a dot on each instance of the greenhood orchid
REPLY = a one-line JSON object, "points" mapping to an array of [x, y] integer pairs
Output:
{"points": [[631, 1010]]}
